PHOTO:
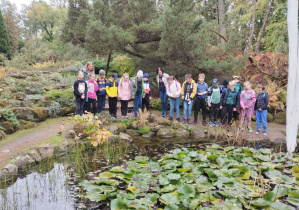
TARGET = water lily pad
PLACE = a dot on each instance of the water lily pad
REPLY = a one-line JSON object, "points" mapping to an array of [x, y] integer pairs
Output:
{"points": [[118, 204], [247, 175], [169, 198], [106, 181], [293, 197], [173, 176], [295, 171], [275, 175], [92, 196], [187, 190], [171, 207], [117, 169], [280, 191], [169, 188], [163, 180], [150, 199], [106, 175], [141, 159], [265, 158], [279, 206], [260, 202]]}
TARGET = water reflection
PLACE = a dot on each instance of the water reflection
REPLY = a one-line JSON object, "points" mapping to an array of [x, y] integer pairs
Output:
{"points": [[39, 191]]}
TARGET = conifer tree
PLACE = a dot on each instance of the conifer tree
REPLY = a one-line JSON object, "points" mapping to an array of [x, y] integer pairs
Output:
{"points": [[5, 46]]}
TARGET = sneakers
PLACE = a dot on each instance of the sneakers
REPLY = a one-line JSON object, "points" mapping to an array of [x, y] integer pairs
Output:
{"points": [[216, 124], [241, 128], [211, 124], [265, 133], [250, 129], [258, 131], [178, 119], [161, 115], [204, 123], [228, 127], [170, 118], [222, 126], [189, 121], [136, 116], [183, 121], [165, 115], [194, 122]]}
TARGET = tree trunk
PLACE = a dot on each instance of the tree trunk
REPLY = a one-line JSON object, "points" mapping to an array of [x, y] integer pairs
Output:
{"points": [[293, 77], [221, 11], [108, 62], [257, 48], [253, 24]]}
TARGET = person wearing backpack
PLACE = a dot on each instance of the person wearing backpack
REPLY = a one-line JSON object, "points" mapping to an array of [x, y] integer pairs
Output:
{"points": [[137, 91], [173, 91], [101, 93], [261, 106], [247, 102], [200, 102], [214, 95], [147, 92], [188, 93]]}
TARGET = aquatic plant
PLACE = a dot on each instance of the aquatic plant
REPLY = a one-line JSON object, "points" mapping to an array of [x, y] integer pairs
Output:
{"points": [[218, 178]]}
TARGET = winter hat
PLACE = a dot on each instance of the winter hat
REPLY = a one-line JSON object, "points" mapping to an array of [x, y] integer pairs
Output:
{"points": [[146, 75], [114, 75], [140, 73], [225, 83], [215, 81], [102, 72]]}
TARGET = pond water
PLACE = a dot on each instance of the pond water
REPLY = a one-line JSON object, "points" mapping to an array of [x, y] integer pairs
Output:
{"points": [[55, 185]]}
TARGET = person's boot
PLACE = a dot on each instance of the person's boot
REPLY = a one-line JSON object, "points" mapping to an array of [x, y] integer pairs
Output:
{"points": [[195, 122], [178, 119], [170, 118], [183, 121], [204, 123], [189, 121]]}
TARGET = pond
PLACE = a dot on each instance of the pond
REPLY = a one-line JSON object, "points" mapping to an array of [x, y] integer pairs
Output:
{"points": [[55, 183]]}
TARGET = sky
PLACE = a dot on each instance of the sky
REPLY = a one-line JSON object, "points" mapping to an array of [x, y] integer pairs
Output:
{"points": [[20, 2]]}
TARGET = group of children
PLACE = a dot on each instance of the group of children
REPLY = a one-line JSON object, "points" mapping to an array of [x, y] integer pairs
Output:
{"points": [[228, 97]]}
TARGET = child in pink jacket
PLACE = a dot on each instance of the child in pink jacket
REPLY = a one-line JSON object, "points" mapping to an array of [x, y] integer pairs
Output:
{"points": [[124, 94], [91, 93], [247, 102]]}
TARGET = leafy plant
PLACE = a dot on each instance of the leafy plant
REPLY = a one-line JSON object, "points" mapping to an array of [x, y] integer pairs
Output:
{"points": [[9, 115], [65, 97], [143, 117], [144, 130]]}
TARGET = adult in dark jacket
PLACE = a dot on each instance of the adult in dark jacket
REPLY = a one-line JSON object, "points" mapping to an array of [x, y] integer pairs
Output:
{"points": [[229, 102], [261, 106], [80, 92]]}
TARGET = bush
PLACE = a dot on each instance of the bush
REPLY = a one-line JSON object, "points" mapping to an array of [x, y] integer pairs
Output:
{"points": [[127, 122], [144, 130], [64, 97], [9, 115]]}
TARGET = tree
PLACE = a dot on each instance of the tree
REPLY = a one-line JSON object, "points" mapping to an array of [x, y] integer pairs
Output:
{"points": [[221, 15], [252, 25], [5, 46]]}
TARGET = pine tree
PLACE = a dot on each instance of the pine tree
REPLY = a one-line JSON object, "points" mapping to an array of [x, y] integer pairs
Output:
{"points": [[5, 46]]}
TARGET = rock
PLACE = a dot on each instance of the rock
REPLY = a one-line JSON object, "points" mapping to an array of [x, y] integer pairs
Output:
{"points": [[26, 124], [167, 122], [181, 132], [113, 138], [197, 134], [134, 125], [166, 133], [270, 117], [151, 118], [46, 151], [54, 109], [4, 103], [125, 137], [71, 134], [35, 155], [31, 114], [19, 96], [280, 118], [132, 132], [67, 110], [60, 150], [24, 160], [176, 125], [11, 169], [279, 141], [149, 134], [156, 128], [2, 135], [160, 121], [117, 128], [4, 175], [8, 126]]}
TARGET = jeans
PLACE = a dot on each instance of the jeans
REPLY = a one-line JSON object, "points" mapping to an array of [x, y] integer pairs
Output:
{"points": [[200, 103], [175, 101], [124, 107], [214, 109], [164, 101], [79, 107], [94, 105], [187, 109], [112, 106], [137, 104], [261, 116], [101, 103]]}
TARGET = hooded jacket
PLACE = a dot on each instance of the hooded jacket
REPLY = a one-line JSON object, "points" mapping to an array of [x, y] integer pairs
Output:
{"points": [[111, 88], [124, 89], [244, 102], [164, 79], [80, 88], [134, 86], [262, 101], [191, 91]]}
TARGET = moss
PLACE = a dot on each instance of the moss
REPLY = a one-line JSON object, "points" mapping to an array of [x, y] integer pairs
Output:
{"points": [[144, 130], [280, 118], [26, 124], [270, 117], [4, 103], [8, 126], [41, 113], [127, 122]]}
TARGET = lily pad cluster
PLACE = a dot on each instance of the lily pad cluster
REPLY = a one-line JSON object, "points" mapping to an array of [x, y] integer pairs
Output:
{"points": [[217, 178]]}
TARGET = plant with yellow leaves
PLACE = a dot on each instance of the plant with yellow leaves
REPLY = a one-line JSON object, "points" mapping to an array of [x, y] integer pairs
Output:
{"points": [[277, 95], [143, 117], [5, 70], [89, 127]]}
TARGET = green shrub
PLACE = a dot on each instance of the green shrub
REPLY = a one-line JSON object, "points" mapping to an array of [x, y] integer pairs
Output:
{"points": [[64, 97], [144, 130], [9, 115], [127, 122]]}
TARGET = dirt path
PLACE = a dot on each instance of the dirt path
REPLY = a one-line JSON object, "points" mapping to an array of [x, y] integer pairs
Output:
{"points": [[16, 143]]}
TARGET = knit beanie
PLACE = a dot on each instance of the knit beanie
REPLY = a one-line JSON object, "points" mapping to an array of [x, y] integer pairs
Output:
{"points": [[146, 75], [225, 83], [102, 72], [140, 73]]}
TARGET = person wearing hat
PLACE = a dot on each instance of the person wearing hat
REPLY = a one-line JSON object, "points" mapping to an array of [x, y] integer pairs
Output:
{"points": [[101, 93], [239, 89], [214, 94], [137, 91], [147, 91], [111, 90]]}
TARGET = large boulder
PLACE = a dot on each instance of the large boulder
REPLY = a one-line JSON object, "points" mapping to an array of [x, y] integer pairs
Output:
{"points": [[117, 128], [68, 110], [176, 125], [151, 118], [132, 132], [149, 134], [125, 137], [8, 126], [156, 128], [38, 114], [197, 134], [270, 117], [134, 125], [181, 132], [11, 168], [45, 151], [35, 155], [24, 160], [54, 109], [166, 133]]}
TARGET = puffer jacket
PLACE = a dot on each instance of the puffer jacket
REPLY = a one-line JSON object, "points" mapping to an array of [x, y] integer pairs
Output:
{"points": [[192, 91], [262, 101], [111, 88]]}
